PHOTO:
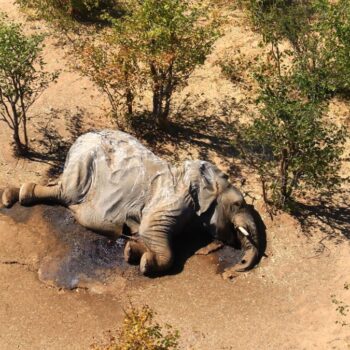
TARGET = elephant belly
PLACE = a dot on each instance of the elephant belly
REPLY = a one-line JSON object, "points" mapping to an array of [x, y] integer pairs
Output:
{"points": [[91, 218]]}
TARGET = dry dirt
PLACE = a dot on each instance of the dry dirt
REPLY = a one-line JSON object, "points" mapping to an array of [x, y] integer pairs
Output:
{"points": [[284, 303]]}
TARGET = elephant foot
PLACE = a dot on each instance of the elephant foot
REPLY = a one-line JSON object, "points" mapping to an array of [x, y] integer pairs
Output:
{"points": [[147, 263], [133, 251], [10, 196], [130, 255], [26, 193], [127, 253]]}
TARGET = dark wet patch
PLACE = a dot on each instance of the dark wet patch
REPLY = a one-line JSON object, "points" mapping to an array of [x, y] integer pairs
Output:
{"points": [[194, 238], [72, 255], [227, 257], [86, 255]]}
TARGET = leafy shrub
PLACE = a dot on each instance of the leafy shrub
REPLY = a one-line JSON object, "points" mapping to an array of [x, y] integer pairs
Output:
{"points": [[61, 11], [114, 71], [140, 332], [318, 32], [168, 39], [334, 27], [291, 143], [155, 45], [21, 79]]}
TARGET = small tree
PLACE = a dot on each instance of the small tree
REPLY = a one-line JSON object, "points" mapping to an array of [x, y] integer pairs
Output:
{"points": [[290, 144], [334, 27], [114, 71], [21, 79], [169, 40], [318, 33], [152, 45]]}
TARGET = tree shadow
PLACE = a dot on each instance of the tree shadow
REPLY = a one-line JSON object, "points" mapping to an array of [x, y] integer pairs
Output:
{"points": [[52, 147], [189, 135], [331, 216], [188, 132]]}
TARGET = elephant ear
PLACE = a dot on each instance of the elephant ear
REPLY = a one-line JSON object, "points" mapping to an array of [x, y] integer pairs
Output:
{"points": [[207, 182]]}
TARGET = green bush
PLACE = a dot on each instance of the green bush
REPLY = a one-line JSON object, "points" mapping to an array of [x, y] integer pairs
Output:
{"points": [[155, 46], [21, 79], [334, 27], [140, 332], [61, 11], [318, 33], [291, 143], [164, 41], [168, 39], [115, 72]]}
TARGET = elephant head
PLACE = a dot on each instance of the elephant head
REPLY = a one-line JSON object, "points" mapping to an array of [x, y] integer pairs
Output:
{"points": [[223, 208], [232, 219]]}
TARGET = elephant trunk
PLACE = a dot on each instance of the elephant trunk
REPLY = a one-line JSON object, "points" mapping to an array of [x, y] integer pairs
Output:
{"points": [[248, 235]]}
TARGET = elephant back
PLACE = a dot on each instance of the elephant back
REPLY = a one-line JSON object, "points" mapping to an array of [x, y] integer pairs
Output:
{"points": [[108, 174]]}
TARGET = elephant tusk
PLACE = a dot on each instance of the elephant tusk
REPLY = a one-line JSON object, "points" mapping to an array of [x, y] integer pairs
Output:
{"points": [[243, 230]]}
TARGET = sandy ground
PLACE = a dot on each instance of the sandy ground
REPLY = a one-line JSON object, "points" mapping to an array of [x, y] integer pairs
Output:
{"points": [[284, 303]]}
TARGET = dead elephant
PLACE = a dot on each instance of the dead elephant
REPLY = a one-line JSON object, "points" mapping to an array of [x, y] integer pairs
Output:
{"points": [[111, 181]]}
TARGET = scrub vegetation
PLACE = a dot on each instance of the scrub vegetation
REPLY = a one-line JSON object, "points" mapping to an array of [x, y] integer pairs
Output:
{"points": [[22, 79], [140, 331], [274, 116], [291, 142], [139, 53]]}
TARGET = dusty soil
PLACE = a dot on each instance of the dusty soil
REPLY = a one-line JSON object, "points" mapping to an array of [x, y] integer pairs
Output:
{"points": [[284, 303]]}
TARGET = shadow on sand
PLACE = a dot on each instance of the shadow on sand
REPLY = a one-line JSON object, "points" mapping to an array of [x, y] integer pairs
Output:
{"points": [[188, 135], [52, 148], [331, 217]]}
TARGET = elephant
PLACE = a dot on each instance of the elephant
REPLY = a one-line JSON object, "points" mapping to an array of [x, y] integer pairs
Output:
{"points": [[113, 184]]}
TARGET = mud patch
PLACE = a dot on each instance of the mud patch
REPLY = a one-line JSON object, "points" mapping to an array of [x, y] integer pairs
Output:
{"points": [[86, 258], [73, 256], [227, 257], [18, 214]]}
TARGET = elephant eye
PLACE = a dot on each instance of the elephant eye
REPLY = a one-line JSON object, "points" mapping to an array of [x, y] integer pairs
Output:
{"points": [[234, 206]]}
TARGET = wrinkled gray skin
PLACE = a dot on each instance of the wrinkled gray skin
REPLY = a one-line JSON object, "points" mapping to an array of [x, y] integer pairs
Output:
{"points": [[110, 180]]}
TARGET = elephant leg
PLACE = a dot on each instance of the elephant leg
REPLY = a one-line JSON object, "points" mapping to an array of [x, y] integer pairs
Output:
{"points": [[159, 256], [159, 226], [133, 251], [10, 196], [31, 193]]}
